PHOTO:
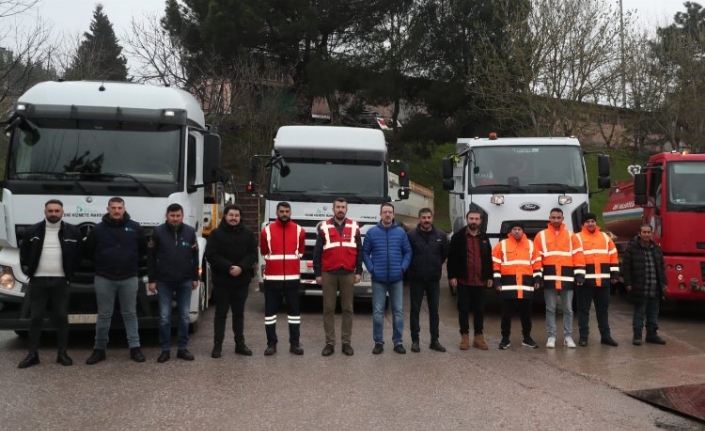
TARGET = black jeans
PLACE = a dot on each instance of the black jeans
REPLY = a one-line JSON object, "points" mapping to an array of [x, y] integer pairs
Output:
{"points": [[42, 290], [645, 308], [471, 298], [509, 305], [229, 298], [432, 289], [273, 291], [586, 294]]}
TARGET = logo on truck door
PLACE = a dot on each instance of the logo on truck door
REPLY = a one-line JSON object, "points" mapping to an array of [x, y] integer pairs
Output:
{"points": [[530, 207]]}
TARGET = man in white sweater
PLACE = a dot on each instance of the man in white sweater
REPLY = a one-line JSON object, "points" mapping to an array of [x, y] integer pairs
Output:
{"points": [[49, 253]]}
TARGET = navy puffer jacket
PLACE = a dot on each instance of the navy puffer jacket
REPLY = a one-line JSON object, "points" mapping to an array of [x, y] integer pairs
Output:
{"points": [[386, 252]]}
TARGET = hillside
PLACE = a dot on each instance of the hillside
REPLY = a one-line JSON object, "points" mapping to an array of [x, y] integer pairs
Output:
{"points": [[427, 172]]}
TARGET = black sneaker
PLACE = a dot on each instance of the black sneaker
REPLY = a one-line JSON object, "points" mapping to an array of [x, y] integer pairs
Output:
{"points": [[97, 356], [164, 356], [296, 349], [636, 340], [655, 339], [242, 349], [609, 341], [435, 345], [184, 354], [530, 343], [328, 350], [504, 344], [29, 360], [348, 350], [136, 354], [271, 349], [64, 359], [582, 342], [399, 348], [379, 348], [217, 351], [415, 347]]}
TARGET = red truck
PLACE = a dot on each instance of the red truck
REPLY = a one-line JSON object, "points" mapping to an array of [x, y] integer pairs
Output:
{"points": [[667, 193]]}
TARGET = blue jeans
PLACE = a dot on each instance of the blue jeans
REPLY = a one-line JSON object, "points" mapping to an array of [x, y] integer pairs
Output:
{"points": [[551, 297], [649, 308], [105, 292], [166, 290], [379, 297]]}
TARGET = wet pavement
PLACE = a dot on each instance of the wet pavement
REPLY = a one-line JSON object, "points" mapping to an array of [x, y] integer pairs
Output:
{"points": [[517, 389]]}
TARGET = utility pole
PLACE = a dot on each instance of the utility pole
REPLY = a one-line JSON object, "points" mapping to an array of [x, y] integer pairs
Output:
{"points": [[621, 43]]}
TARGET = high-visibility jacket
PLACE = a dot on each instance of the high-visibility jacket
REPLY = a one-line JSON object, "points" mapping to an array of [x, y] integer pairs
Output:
{"points": [[282, 246], [339, 251], [561, 255], [601, 260], [516, 267]]}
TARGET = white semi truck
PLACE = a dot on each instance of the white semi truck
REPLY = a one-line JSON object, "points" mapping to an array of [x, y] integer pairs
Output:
{"points": [[326, 162], [84, 142], [519, 179]]}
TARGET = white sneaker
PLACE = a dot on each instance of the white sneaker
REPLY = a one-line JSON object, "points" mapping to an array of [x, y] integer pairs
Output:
{"points": [[551, 343], [569, 342]]}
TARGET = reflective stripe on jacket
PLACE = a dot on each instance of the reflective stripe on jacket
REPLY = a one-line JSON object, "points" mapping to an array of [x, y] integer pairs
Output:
{"points": [[561, 256], [601, 260], [516, 265], [339, 252], [282, 246]]}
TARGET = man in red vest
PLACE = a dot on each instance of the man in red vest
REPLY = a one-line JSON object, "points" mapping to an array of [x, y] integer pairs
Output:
{"points": [[337, 265], [282, 244]]}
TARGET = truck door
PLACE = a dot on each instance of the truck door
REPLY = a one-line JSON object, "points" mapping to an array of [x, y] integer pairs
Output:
{"points": [[657, 199]]}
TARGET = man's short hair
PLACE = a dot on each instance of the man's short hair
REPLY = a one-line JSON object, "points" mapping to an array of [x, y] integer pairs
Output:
{"points": [[646, 225], [425, 211], [231, 207], [556, 210], [386, 204], [116, 199], [473, 211], [173, 208], [54, 201], [283, 205], [342, 200]]}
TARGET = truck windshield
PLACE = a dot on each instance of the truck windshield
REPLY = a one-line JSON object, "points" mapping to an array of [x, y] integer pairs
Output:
{"points": [[527, 169], [70, 150], [686, 184], [321, 179]]}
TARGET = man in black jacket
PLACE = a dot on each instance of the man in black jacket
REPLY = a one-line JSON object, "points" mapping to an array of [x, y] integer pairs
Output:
{"points": [[50, 252], [429, 247], [172, 267], [470, 270], [231, 251], [645, 279], [116, 245]]}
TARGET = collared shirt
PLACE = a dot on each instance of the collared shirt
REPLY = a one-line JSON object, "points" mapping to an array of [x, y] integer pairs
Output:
{"points": [[474, 265], [650, 280]]}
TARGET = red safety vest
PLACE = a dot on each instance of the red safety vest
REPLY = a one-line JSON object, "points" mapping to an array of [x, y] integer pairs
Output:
{"points": [[339, 251], [282, 247]]}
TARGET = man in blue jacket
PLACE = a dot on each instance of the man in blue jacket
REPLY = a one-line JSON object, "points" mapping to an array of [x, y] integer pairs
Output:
{"points": [[429, 250], [387, 254]]}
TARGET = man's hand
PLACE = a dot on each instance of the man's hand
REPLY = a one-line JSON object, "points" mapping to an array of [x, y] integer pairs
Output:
{"points": [[490, 283], [537, 286], [664, 288], [235, 270], [319, 280], [152, 286], [358, 278], [629, 288], [453, 282], [194, 284]]}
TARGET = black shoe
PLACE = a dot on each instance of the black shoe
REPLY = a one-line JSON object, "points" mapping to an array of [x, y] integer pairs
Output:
{"points": [[242, 349], [655, 339], [415, 347], [636, 340], [184, 354], [529, 342], [64, 359], [348, 350], [379, 348], [504, 344], [97, 356], [270, 350], [296, 349], [29, 360], [435, 345], [399, 348], [609, 341], [328, 350], [164, 356], [217, 351], [136, 354], [582, 342]]}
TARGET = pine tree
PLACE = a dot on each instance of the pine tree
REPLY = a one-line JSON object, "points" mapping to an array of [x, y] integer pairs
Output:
{"points": [[99, 56]]}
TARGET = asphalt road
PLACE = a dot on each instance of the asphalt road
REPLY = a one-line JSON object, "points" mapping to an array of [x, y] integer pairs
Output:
{"points": [[517, 389]]}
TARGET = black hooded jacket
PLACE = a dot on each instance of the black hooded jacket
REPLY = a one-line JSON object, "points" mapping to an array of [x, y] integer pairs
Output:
{"points": [[228, 246]]}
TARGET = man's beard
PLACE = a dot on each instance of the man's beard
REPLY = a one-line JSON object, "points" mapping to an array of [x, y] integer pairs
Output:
{"points": [[53, 219], [283, 220], [472, 226]]}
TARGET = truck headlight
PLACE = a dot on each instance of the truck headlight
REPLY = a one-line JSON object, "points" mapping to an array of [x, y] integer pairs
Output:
{"points": [[564, 200]]}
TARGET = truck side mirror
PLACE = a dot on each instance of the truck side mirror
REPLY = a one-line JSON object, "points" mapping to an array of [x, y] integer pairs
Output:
{"points": [[211, 158], [640, 189], [603, 182], [448, 184], [603, 166], [447, 167]]}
